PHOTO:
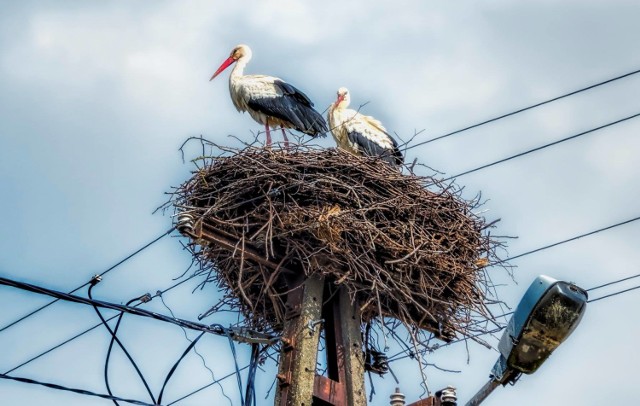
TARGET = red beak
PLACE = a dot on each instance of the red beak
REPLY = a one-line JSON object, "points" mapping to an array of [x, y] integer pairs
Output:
{"points": [[340, 98], [222, 67]]}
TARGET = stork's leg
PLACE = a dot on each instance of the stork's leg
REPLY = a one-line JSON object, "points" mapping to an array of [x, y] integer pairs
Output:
{"points": [[266, 128], [286, 140]]}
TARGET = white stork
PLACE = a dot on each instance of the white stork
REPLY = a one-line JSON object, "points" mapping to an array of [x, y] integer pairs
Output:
{"points": [[360, 134], [269, 100]]}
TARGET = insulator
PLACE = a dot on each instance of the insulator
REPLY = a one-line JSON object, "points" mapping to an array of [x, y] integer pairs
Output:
{"points": [[184, 223], [397, 398], [448, 396]]}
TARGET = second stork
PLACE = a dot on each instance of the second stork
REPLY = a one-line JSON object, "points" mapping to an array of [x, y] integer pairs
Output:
{"points": [[360, 134]]}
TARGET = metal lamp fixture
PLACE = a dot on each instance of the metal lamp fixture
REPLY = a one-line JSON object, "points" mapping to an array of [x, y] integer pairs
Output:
{"points": [[547, 314]]}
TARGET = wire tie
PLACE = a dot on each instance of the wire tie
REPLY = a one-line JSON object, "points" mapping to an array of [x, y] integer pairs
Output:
{"points": [[95, 280]]}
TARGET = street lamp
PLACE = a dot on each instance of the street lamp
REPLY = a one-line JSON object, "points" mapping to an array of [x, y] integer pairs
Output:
{"points": [[547, 314]]}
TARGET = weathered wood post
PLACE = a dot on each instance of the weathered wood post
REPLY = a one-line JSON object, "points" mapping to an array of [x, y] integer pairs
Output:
{"points": [[297, 379]]}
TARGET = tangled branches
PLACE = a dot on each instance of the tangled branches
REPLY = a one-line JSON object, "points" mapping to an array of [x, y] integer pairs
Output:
{"points": [[405, 246]]}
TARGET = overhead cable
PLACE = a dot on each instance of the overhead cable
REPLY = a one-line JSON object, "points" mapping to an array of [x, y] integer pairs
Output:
{"points": [[541, 147], [55, 347], [555, 244], [207, 385], [491, 120], [26, 316], [74, 390], [215, 329], [115, 338]]}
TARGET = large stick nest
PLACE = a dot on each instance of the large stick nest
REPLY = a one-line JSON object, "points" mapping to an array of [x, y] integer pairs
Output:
{"points": [[405, 246]]}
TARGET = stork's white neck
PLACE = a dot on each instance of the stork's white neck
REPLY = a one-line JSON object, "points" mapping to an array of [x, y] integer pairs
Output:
{"points": [[238, 70]]}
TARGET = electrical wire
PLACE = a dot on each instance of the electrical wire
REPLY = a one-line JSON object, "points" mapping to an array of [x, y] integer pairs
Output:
{"points": [[250, 394], [614, 282], [195, 350], [175, 366], [217, 329], [235, 362], [113, 306], [115, 332], [122, 347], [614, 294], [491, 120], [26, 316], [572, 239], [74, 390], [208, 385], [541, 147], [55, 347]]}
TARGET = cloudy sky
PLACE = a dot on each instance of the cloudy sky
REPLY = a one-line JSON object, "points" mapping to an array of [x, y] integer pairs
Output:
{"points": [[97, 97]]}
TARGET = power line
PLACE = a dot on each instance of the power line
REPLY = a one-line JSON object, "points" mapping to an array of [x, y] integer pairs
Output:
{"points": [[159, 293], [122, 347], [614, 282], [614, 294], [114, 398], [571, 239], [215, 329], [175, 285], [26, 316], [542, 147], [491, 120], [410, 353], [74, 390], [175, 366], [208, 385], [55, 347], [195, 350], [142, 298]]}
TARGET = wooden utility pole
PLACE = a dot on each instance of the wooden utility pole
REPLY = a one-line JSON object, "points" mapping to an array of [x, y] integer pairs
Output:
{"points": [[300, 343], [311, 307]]}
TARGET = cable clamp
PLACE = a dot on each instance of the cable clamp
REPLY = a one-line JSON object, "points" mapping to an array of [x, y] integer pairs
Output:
{"points": [[95, 280], [244, 335]]}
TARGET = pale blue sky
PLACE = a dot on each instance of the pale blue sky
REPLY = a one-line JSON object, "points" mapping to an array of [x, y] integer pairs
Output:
{"points": [[96, 97]]}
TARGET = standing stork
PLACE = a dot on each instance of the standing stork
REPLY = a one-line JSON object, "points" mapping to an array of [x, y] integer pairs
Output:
{"points": [[269, 100], [360, 134]]}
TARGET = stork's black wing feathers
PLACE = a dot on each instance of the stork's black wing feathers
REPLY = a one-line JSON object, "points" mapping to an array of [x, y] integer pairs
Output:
{"points": [[371, 148], [294, 107], [292, 91]]}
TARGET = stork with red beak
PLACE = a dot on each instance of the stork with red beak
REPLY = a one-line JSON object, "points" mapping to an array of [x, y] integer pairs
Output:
{"points": [[360, 134], [269, 100]]}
